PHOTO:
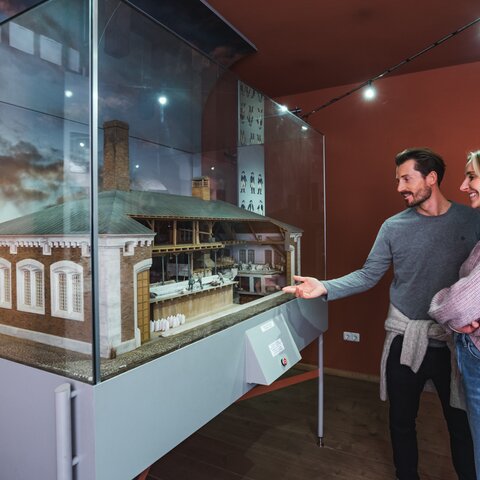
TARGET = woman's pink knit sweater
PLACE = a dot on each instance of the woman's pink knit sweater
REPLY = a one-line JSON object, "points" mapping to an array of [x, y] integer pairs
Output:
{"points": [[459, 304]]}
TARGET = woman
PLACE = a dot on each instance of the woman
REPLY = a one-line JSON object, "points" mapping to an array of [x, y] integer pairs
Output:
{"points": [[458, 309]]}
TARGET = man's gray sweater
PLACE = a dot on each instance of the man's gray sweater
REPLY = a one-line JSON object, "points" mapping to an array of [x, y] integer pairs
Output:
{"points": [[426, 253]]}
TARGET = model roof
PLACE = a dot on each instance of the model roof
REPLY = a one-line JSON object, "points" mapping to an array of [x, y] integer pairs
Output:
{"points": [[116, 209]]}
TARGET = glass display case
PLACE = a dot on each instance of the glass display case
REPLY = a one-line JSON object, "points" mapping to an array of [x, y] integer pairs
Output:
{"points": [[149, 197]]}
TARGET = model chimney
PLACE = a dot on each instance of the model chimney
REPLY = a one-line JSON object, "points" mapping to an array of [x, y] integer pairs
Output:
{"points": [[201, 188], [116, 168]]}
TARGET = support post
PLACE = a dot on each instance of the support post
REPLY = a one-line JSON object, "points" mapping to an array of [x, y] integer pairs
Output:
{"points": [[320, 391]]}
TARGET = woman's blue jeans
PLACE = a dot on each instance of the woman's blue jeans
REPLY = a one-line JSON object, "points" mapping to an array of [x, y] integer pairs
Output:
{"points": [[468, 357], [404, 391]]}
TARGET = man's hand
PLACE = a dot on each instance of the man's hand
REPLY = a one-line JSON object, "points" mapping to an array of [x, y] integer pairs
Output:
{"points": [[309, 288], [468, 329]]}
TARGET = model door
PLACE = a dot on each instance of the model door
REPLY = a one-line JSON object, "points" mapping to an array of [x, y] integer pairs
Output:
{"points": [[143, 304]]}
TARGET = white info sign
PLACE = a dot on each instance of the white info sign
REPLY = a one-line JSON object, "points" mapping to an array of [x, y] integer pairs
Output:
{"points": [[276, 347], [270, 351]]}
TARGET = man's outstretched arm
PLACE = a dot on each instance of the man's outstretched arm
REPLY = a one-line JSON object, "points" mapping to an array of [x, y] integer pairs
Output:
{"points": [[309, 288]]}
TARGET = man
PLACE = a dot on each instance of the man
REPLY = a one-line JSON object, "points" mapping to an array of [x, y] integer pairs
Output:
{"points": [[426, 243]]}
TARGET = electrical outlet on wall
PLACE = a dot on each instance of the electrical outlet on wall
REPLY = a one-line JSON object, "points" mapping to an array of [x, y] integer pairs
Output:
{"points": [[351, 336]]}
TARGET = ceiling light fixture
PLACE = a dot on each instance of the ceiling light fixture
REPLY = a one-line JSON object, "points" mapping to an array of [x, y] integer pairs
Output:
{"points": [[391, 69], [370, 92]]}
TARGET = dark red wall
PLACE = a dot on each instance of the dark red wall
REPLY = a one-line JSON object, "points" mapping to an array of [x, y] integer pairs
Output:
{"points": [[436, 108]]}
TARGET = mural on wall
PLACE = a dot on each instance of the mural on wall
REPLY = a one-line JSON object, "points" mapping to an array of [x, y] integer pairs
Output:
{"points": [[251, 175], [251, 108], [251, 157]]}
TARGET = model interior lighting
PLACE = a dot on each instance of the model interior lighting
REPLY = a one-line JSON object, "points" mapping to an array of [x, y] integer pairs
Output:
{"points": [[370, 92], [162, 100]]}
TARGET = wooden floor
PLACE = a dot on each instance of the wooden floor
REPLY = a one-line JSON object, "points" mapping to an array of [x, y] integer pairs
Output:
{"points": [[273, 436]]}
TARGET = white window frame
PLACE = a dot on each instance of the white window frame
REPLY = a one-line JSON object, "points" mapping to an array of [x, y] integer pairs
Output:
{"points": [[242, 255], [5, 272], [69, 269], [33, 266]]}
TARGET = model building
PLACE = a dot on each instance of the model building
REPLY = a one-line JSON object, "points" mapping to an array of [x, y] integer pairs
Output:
{"points": [[163, 259]]}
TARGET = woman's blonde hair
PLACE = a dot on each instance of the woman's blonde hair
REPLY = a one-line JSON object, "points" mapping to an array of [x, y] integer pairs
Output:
{"points": [[474, 159]]}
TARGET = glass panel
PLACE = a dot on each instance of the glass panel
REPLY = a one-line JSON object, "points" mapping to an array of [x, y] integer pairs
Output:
{"points": [[201, 180], [44, 185], [294, 160], [210, 195]]}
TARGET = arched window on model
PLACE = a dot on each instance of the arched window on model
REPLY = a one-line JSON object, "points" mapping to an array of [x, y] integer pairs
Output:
{"points": [[66, 285], [5, 284], [30, 286]]}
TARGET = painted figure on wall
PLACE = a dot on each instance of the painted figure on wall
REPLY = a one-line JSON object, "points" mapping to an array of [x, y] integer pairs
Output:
{"points": [[260, 207], [252, 183], [260, 184], [243, 182]]}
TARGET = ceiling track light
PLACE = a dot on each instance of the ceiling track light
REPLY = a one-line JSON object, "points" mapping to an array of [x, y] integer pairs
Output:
{"points": [[370, 92], [391, 69]]}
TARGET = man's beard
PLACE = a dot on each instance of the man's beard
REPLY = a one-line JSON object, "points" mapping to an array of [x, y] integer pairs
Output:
{"points": [[420, 197]]}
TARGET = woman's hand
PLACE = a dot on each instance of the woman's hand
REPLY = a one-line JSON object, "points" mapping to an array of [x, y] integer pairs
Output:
{"points": [[468, 329]]}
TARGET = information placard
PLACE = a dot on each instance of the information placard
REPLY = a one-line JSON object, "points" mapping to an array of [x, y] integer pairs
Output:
{"points": [[270, 351]]}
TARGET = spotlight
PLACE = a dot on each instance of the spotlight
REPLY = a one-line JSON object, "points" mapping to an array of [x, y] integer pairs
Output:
{"points": [[68, 93], [304, 128], [162, 100], [283, 108], [369, 93]]}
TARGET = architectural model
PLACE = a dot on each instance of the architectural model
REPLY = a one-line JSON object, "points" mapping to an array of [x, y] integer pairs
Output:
{"points": [[165, 260]]}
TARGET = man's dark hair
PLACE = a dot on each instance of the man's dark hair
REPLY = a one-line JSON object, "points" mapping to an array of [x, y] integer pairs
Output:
{"points": [[426, 161]]}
